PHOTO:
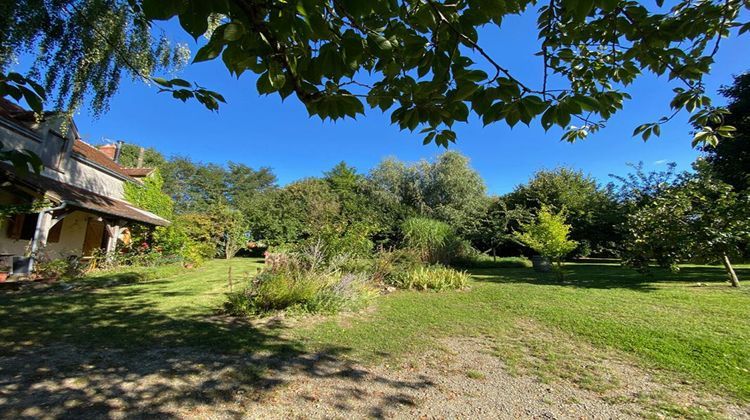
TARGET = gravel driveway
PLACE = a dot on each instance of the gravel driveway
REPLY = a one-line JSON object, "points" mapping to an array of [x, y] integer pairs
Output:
{"points": [[461, 379]]}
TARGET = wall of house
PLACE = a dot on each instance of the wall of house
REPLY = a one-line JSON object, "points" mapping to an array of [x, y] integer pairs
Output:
{"points": [[71, 236], [8, 245], [55, 151], [81, 175]]}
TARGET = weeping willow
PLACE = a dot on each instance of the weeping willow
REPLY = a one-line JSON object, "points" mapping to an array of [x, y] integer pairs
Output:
{"points": [[79, 50]]}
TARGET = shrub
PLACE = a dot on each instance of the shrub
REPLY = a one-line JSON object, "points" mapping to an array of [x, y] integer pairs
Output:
{"points": [[548, 235], [432, 278], [51, 269], [434, 241], [388, 265], [484, 261], [174, 240], [291, 284]]}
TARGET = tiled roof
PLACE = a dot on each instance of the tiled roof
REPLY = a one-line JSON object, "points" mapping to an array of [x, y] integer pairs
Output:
{"points": [[16, 113], [93, 154], [84, 199], [138, 172]]}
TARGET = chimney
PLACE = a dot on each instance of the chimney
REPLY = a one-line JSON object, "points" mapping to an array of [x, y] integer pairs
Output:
{"points": [[110, 150], [141, 154], [118, 150]]}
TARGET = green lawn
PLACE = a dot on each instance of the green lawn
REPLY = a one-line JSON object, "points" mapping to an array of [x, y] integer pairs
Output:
{"points": [[699, 333]]}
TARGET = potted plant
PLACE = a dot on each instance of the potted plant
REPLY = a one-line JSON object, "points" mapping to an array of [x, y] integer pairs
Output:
{"points": [[4, 272], [547, 235]]}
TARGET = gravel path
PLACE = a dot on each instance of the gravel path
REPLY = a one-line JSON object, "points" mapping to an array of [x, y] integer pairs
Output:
{"points": [[460, 380]]}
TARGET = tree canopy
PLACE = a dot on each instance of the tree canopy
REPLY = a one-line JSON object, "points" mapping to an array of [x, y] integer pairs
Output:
{"points": [[424, 61], [84, 47], [730, 159], [699, 217]]}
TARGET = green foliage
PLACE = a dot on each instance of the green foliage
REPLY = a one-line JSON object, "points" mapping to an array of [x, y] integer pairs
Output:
{"points": [[700, 217], [548, 234], [152, 158], [219, 232], [106, 39], [730, 158], [484, 261], [174, 240], [424, 61], [390, 265], [8, 210], [447, 189], [592, 211], [434, 241], [149, 195], [51, 269], [231, 231], [639, 187], [494, 228], [353, 241], [290, 284], [434, 277], [19, 87]]}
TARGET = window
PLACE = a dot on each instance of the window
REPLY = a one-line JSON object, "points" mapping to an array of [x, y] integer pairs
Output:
{"points": [[56, 150], [22, 226]]}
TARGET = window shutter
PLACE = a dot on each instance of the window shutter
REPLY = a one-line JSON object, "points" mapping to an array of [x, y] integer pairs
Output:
{"points": [[16, 226]]}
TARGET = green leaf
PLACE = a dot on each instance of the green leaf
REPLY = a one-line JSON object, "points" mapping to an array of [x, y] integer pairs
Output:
{"points": [[181, 83], [161, 9], [208, 52], [233, 31], [194, 18], [582, 9], [379, 42], [276, 76], [34, 101]]}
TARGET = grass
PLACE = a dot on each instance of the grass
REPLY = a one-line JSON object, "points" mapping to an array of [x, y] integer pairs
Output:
{"points": [[699, 334], [666, 321], [129, 308]]}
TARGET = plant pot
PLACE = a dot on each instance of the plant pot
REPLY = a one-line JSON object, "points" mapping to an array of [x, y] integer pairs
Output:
{"points": [[3, 276], [541, 264]]}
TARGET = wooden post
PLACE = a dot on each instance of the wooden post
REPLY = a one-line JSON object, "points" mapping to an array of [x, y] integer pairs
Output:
{"points": [[229, 275], [113, 233], [733, 279]]}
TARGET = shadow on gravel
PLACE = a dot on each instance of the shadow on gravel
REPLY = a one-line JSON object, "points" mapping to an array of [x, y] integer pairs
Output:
{"points": [[105, 353], [608, 276]]}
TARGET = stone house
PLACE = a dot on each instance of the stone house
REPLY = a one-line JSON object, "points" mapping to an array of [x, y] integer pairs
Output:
{"points": [[81, 186]]}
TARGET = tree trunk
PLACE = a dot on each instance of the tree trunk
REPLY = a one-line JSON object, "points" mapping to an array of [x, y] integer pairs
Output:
{"points": [[730, 271]]}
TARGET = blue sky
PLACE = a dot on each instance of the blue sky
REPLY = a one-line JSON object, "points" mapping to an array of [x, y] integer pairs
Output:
{"points": [[263, 131]]}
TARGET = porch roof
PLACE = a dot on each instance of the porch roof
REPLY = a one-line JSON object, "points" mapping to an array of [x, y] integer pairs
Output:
{"points": [[81, 198]]}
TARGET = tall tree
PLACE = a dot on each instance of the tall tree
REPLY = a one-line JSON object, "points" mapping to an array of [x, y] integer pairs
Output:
{"points": [[700, 217], [591, 210], [730, 159], [448, 189], [131, 153], [84, 47]]}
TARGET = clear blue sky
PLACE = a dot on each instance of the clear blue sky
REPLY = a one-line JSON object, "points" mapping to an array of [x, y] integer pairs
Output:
{"points": [[263, 131]]}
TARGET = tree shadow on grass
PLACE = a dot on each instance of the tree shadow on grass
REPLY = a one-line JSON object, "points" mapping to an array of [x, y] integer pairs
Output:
{"points": [[610, 276], [102, 353]]}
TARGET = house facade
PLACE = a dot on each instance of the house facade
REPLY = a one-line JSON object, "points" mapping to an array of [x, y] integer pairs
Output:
{"points": [[81, 187]]}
